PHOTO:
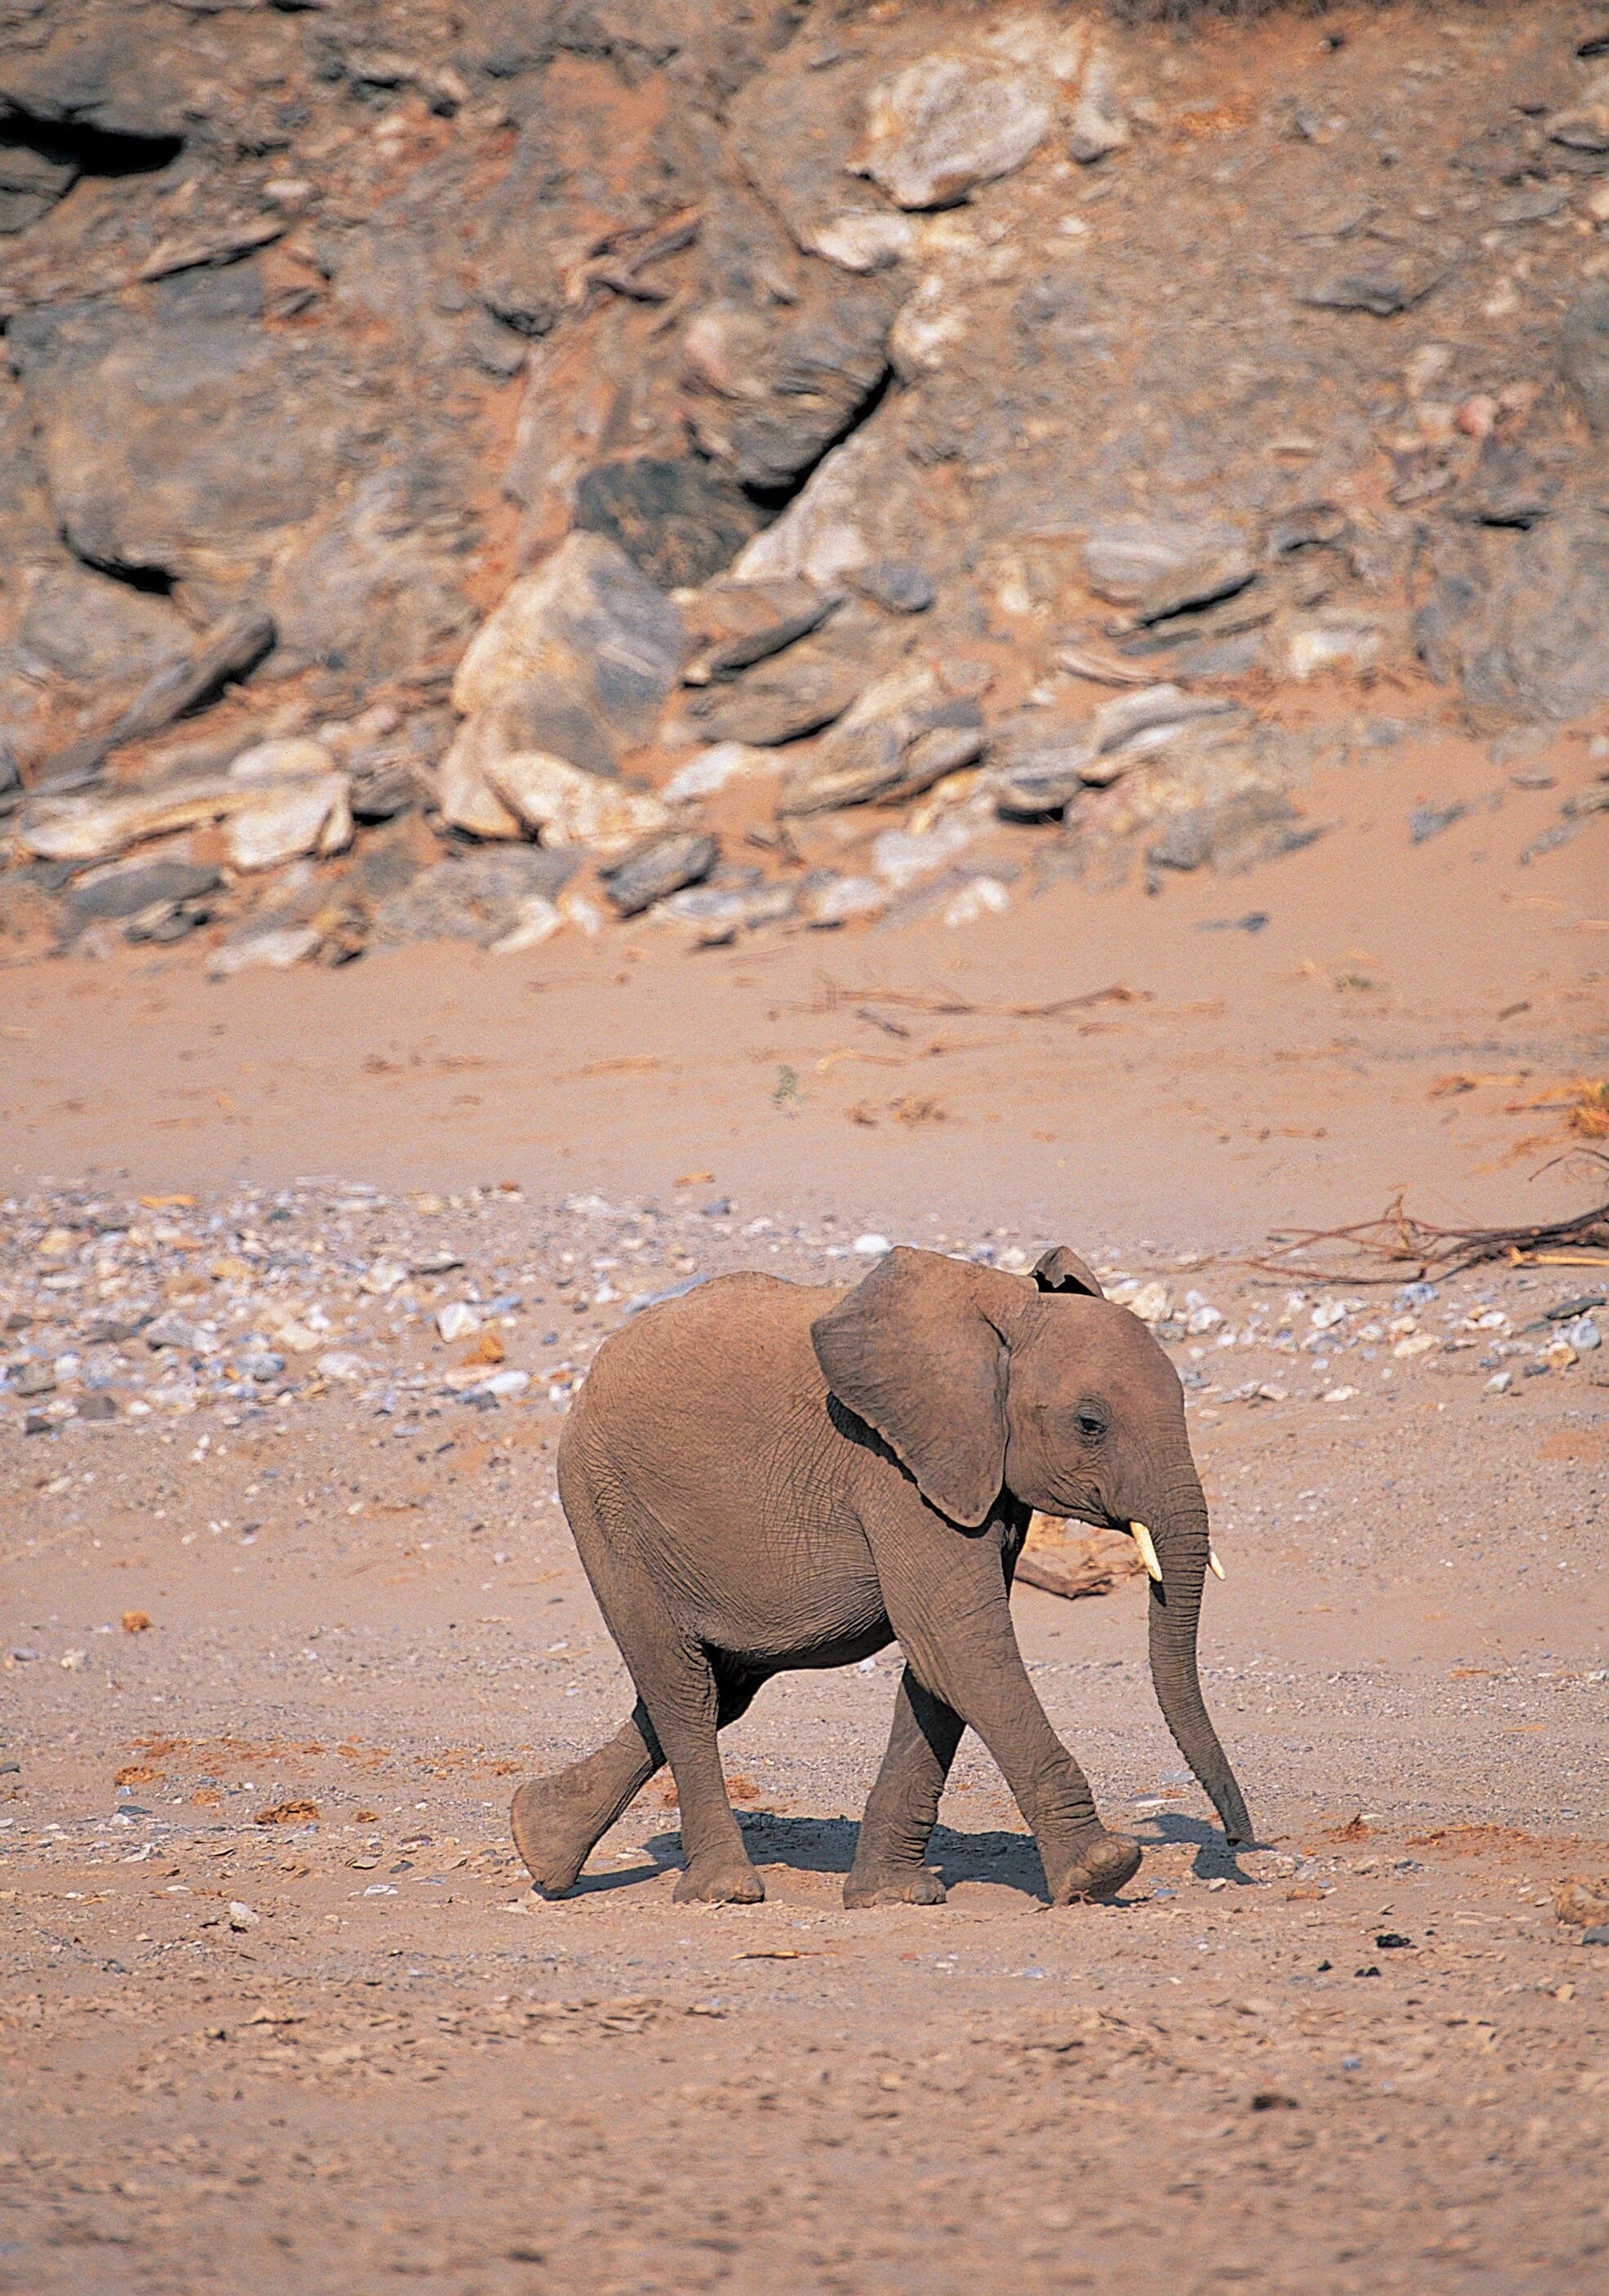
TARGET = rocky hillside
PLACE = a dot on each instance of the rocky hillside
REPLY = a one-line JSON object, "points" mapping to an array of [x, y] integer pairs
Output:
{"points": [[479, 469]]}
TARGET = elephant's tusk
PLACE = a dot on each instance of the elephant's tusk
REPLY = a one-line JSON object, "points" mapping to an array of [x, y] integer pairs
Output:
{"points": [[1213, 1564], [1148, 1548]]}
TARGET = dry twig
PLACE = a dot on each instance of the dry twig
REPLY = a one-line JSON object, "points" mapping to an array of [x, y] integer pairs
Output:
{"points": [[1411, 1247]]}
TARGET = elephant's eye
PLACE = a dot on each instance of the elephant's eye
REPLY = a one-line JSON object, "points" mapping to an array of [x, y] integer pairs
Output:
{"points": [[1091, 1429]]}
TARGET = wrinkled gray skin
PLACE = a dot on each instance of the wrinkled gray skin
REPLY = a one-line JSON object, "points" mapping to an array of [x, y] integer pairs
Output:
{"points": [[763, 1475]]}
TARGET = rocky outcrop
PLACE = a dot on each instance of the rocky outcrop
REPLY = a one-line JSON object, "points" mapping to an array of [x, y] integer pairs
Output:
{"points": [[570, 397]]}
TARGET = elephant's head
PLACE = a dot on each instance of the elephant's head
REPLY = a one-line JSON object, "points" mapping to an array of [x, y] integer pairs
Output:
{"points": [[980, 1382]]}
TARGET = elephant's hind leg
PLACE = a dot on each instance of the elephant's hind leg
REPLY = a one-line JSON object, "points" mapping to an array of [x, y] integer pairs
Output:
{"points": [[557, 1820], [903, 1806]]}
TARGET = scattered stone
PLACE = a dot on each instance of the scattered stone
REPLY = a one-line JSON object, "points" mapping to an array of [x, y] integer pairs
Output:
{"points": [[1130, 558], [1200, 582], [897, 583], [679, 521], [842, 900], [903, 734], [1384, 289], [734, 902], [242, 1916], [1099, 125], [781, 392], [91, 828], [276, 946], [867, 240], [740, 652], [783, 703], [1582, 1900], [566, 807], [1428, 821], [819, 538], [478, 896], [1118, 724], [1315, 647], [34, 1379], [979, 897], [229, 650], [1584, 352], [294, 760], [124, 892], [711, 770], [1520, 620], [1583, 126], [457, 1320], [942, 127], [289, 819], [1233, 835], [662, 865], [386, 790]]}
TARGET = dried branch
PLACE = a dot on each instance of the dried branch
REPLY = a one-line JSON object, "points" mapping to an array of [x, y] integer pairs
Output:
{"points": [[1412, 1247]]}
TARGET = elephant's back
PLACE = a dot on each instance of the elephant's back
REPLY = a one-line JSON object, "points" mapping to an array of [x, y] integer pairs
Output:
{"points": [[701, 1446], [728, 1363]]}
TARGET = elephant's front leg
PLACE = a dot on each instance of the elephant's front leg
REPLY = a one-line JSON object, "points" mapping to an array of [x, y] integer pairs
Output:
{"points": [[947, 1603], [904, 1804]]}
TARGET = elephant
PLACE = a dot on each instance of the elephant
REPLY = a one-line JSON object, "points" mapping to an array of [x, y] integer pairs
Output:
{"points": [[763, 1475]]}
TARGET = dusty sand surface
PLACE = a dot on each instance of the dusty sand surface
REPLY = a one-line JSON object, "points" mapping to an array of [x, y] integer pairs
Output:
{"points": [[281, 2011]]}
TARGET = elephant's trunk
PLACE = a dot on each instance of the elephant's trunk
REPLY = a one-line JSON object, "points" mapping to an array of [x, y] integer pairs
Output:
{"points": [[1180, 1533]]}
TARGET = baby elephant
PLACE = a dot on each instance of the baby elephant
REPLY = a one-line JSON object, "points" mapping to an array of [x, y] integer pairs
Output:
{"points": [[763, 1475]]}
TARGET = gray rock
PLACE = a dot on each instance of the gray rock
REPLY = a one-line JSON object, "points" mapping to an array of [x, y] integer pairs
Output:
{"points": [[897, 583], [479, 898], [98, 633], [781, 703], [1428, 821], [170, 1331], [1584, 352], [1520, 620], [31, 181], [1533, 206], [113, 1330], [903, 734], [952, 121], [680, 520], [1583, 126], [736, 654], [1134, 557], [659, 866], [34, 1379], [797, 389], [386, 789], [1384, 289], [1234, 836], [1200, 582], [1038, 771], [126, 892], [587, 636], [1099, 125], [89, 75]]}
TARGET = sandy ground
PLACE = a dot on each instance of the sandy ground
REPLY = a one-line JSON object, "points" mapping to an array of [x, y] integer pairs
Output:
{"points": [[280, 2011]]}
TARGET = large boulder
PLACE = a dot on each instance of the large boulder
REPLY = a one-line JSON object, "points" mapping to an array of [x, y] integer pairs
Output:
{"points": [[181, 438], [588, 623]]}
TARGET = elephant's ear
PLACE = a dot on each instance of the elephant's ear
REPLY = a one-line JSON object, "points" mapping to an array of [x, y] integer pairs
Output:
{"points": [[913, 1352], [1060, 1270]]}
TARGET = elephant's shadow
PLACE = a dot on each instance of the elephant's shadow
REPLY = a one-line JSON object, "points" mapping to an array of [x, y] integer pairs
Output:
{"points": [[826, 1845]]}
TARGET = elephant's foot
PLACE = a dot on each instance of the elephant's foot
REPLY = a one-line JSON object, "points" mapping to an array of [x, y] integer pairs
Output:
{"points": [[893, 1885], [553, 1832], [1105, 1861], [725, 1880]]}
